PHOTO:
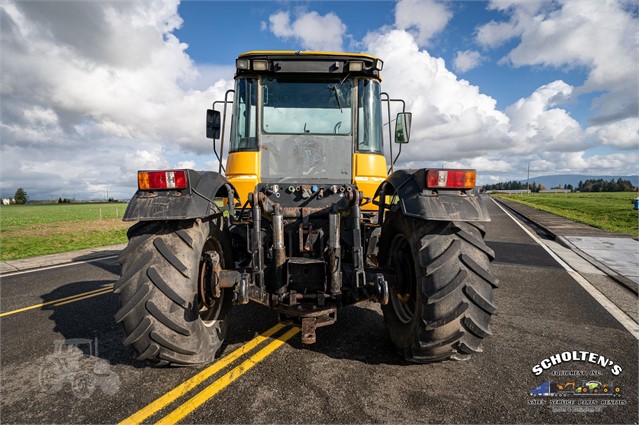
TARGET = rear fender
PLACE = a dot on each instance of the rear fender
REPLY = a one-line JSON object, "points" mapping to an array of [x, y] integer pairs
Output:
{"points": [[196, 201], [407, 190]]}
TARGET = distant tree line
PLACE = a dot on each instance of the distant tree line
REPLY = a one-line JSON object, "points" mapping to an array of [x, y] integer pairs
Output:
{"points": [[591, 185], [601, 185], [515, 185]]}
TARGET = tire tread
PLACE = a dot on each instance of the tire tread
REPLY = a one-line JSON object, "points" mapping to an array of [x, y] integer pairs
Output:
{"points": [[158, 294], [454, 304]]}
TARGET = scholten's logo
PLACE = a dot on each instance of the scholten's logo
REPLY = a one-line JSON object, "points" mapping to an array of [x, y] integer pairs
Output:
{"points": [[576, 356]]}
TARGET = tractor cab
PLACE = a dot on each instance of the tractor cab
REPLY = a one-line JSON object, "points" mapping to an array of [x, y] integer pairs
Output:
{"points": [[305, 116]]}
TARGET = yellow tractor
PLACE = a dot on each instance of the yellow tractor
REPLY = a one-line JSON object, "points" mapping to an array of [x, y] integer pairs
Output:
{"points": [[306, 214]]}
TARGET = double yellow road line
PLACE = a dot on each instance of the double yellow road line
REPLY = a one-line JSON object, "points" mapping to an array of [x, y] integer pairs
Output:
{"points": [[66, 300], [184, 409], [195, 401]]}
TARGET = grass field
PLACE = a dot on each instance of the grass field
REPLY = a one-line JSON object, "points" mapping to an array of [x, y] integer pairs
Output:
{"points": [[610, 211], [31, 230]]}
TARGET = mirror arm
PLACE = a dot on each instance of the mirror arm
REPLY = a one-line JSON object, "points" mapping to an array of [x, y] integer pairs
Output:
{"points": [[398, 154], [388, 101]]}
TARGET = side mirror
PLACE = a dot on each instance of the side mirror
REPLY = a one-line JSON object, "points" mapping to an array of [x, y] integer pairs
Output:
{"points": [[213, 124], [402, 127]]}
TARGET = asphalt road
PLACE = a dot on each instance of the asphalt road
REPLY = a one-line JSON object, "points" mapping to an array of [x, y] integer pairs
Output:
{"points": [[352, 374]]}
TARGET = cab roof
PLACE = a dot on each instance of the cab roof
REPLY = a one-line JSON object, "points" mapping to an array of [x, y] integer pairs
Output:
{"points": [[307, 62], [302, 53]]}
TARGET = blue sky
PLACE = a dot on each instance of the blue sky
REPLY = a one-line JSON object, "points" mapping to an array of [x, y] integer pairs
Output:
{"points": [[92, 91], [211, 31]]}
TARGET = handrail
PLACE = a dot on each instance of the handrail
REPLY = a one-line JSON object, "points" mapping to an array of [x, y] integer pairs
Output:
{"points": [[221, 155]]}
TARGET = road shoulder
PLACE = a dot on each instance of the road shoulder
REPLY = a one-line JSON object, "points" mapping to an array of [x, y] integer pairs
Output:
{"points": [[615, 254], [89, 254]]}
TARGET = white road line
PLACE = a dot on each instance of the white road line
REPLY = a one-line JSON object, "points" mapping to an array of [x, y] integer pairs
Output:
{"points": [[74, 263], [615, 311]]}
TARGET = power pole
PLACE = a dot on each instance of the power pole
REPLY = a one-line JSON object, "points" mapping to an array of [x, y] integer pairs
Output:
{"points": [[528, 180]]}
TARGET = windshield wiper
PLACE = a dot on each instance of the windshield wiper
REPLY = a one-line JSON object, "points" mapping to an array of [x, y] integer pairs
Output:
{"points": [[335, 89]]}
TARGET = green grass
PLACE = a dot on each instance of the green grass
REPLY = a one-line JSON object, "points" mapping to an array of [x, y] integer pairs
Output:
{"points": [[20, 216], [31, 230], [610, 211]]}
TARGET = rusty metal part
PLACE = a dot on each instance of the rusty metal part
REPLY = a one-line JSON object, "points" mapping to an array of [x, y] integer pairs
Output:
{"points": [[308, 237], [228, 278], [309, 325], [319, 297], [241, 289], [209, 289], [300, 212], [213, 278], [256, 239], [215, 270], [381, 289], [326, 315], [279, 254], [257, 294], [204, 298], [310, 316], [334, 254], [306, 274], [358, 250], [313, 237]]}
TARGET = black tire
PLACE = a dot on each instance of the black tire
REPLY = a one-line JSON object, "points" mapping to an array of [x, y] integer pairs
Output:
{"points": [[441, 304], [160, 304]]}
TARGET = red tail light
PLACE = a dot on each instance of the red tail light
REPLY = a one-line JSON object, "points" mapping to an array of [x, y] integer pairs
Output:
{"points": [[451, 179], [154, 180]]}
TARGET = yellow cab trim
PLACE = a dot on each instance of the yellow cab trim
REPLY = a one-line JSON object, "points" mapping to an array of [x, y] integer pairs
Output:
{"points": [[305, 52], [243, 172], [369, 171]]}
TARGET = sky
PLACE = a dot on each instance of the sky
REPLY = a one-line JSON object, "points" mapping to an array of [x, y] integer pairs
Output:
{"points": [[91, 92]]}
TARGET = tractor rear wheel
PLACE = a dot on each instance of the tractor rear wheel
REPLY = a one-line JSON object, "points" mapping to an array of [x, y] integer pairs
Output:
{"points": [[442, 300], [165, 317]]}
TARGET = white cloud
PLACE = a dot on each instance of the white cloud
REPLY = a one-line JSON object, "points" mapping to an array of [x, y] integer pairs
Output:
{"points": [[538, 126], [311, 30], [580, 162], [451, 118], [466, 60], [422, 18], [493, 34], [622, 134], [455, 124], [205, 76], [102, 82], [186, 164], [600, 36]]}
